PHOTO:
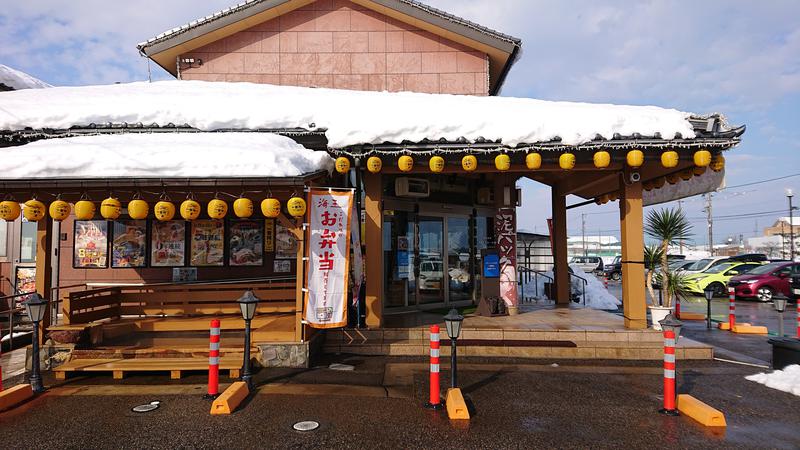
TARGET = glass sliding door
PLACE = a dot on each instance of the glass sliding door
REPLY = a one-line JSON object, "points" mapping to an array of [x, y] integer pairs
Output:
{"points": [[459, 273], [431, 277]]}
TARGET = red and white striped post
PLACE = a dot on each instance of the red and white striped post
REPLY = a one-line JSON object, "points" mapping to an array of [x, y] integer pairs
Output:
{"points": [[797, 306], [213, 361], [605, 282], [1, 353], [677, 307], [731, 308], [435, 400], [669, 374]]}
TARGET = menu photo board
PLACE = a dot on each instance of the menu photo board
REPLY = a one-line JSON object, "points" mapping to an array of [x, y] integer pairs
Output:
{"points": [[168, 244], [207, 241], [285, 243], [246, 243], [90, 249], [129, 244]]}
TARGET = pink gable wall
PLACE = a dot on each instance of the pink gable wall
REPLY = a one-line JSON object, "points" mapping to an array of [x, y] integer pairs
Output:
{"points": [[338, 44]]}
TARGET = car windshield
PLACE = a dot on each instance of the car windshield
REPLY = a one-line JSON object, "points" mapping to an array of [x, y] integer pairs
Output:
{"points": [[766, 268], [676, 264], [720, 267], [700, 264]]}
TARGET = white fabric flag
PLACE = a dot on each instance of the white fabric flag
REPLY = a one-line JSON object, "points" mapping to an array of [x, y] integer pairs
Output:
{"points": [[328, 251]]}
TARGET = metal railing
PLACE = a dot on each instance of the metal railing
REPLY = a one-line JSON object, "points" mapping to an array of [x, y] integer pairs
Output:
{"points": [[525, 275]]}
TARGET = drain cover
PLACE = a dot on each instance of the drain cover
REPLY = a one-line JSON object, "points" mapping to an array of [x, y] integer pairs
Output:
{"points": [[146, 407], [306, 425]]}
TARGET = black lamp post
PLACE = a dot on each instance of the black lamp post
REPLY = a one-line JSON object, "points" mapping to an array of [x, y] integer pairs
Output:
{"points": [[708, 292], [789, 195], [779, 301], [452, 322], [248, 303], [36, 307]]}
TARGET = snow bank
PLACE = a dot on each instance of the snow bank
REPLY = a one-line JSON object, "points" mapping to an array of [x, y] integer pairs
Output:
{"points": [[351, 117], [13, 78], [162, 155], [597, 296], [786, 380]]}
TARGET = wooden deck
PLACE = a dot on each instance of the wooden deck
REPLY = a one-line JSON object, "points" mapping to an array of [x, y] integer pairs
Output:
{"points": [[118, 367]]}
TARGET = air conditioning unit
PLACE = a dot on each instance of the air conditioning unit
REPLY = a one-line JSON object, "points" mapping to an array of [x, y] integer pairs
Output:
{"points": [[412, 187]]}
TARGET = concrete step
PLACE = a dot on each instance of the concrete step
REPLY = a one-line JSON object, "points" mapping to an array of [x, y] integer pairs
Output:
{"points": [[573, 335]]}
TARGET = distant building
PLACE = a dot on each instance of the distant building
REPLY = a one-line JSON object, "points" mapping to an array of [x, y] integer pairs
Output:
{"points": [[781, 227], [598, 245]]}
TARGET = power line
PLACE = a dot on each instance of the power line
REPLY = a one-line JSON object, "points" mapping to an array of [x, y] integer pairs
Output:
{"points": [[762, 181]]}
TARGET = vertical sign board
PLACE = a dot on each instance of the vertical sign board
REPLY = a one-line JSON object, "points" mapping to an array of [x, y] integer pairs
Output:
{"points": [[328, 258], [505, 231]]}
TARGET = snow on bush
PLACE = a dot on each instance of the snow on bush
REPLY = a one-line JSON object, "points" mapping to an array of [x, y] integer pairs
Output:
{"points": [[16, 79], [786, 380]]}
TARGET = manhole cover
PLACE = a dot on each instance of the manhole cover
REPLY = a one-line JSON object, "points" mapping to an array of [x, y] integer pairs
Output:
{"points": [[146, 407], [306, 425]]}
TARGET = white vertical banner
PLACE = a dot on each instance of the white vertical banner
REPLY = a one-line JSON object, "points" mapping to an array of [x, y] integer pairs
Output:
{"points": [[328, 251]]}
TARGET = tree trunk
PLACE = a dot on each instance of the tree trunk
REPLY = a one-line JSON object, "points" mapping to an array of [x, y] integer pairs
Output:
{"points": [[664, 276]]}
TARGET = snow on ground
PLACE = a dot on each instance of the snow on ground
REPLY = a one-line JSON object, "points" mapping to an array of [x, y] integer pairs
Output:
{"points": [[597, 296], [162, 155], [786, 380], [19, 80], [351, 117]]}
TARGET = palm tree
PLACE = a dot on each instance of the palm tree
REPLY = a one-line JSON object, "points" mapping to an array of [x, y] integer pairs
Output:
{"points": [[669, 227], [652, 258]]}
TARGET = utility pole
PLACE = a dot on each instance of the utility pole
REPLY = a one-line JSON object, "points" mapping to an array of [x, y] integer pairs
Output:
{"points": [[790, 194], [583, 232], [710, 224]]}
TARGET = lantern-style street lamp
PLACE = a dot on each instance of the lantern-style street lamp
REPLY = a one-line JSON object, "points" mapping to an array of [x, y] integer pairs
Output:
{"points": [[779, 301], [36, 307], [708, 292], [248, 303], [452, 322]]}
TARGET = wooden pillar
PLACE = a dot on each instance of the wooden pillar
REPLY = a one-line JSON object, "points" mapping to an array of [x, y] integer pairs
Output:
{"points": [[561, 277], [44, 269], [300, 236], [373, 263], [633, 290]]}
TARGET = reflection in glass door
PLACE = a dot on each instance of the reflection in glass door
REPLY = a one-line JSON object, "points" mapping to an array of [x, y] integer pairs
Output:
{"points": [[431, 263], [459, 275]]}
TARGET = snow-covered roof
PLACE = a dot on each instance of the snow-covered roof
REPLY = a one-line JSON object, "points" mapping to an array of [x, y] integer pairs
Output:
{"points": [[350, 117], [795, 221], [17, 80], [162, 155]]}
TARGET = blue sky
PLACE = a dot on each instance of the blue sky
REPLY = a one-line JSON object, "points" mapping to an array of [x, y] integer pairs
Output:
{"points": [[740, 58]]}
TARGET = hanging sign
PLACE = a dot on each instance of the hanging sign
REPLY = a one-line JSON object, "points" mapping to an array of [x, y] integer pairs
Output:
{"points": [[328, 258], [505, 231], [90, 248], [269, 235]]}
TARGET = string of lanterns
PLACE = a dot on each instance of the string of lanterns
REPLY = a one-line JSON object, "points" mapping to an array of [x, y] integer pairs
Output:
{"points": [[164, 210]]}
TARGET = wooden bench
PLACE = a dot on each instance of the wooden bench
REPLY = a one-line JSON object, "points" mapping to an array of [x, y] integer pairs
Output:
{"points": [[118, 367]]}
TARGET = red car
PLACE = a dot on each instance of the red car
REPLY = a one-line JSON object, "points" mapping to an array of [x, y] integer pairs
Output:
{"points": [[764, 281]]}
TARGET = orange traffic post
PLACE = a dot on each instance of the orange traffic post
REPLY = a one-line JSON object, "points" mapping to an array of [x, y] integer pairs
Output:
{"points": [[731, 308], [798, 319], [213, 361], [435, 400], [678, 307], [669, 374]]}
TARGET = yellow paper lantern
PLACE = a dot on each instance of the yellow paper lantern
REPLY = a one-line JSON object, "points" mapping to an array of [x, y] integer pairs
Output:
{"points": [[687, 174], [673, 178], [9, 210], [717, 163], [405, 163], [698, 170], [342, 164], [59, 210], [164, 210], [702, 158], [635, 158], [602, 159], [110, 208], [533, 161], [217, 209], [659, 182], [34, 210], [296, 207], [502, 162], [138, 209], [469, 163], [669, 159], [436, 163], [190, 209], [566, 161], [243, 208], [374, 164], [271, 207], [84, 210]]}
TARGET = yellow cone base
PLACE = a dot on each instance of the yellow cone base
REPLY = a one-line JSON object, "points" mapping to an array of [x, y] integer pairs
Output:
{"points": [[692, 316], [15, 395], [699, 411], [750, 329], [726, 326], [456, 406], [230, 399]]}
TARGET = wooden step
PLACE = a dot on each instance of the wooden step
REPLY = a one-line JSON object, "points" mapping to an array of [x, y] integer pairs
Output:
{"points": [[118, 366]]}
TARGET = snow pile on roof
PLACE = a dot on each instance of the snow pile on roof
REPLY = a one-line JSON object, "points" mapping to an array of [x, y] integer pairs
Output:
{"points": [[351, 117], [786, 380], [15, 79], [162, 155]]}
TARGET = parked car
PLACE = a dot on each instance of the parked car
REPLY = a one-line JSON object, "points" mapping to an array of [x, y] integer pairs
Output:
{"points": [[613, 270], [678, 265], [707, 263], [717, 277], [795, 285], [589, 264], [704, 264], [764, 281]]}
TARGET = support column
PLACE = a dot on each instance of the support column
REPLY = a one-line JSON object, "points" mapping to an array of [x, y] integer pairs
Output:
{"points": [[44, 269], [505, 234], [373, 264], [634, 302], [559, 239]]}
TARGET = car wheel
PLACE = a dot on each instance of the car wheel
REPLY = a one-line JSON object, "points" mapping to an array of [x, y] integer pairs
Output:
{"points": [[616, 276], [764, 293], [719, 289]]}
